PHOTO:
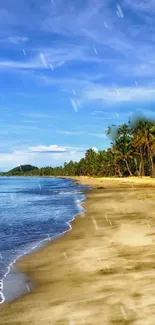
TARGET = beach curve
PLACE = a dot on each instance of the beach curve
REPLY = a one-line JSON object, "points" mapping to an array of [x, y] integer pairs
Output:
{"points": [[88, 276]]}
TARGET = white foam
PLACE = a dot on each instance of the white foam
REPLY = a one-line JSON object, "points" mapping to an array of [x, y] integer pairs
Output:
{"points": [[48, 238], [71, 192], [11, 265]]}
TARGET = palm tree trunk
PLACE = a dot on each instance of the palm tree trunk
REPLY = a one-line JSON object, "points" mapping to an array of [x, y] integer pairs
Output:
{"points": [[141, 169], [119, 170], [137, 172], [151, 161], [152, 166], [128, 168]]}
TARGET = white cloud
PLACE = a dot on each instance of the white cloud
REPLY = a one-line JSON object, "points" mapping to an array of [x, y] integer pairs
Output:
{"points": [[39, 156], [98, 135], [142, 69], [49, 58], [16, 39], [35, 63], [37, 115], [69, 132], [51, 149], [144, 6], [77, 133], [115, 45], [95, 149], [126, 94]]}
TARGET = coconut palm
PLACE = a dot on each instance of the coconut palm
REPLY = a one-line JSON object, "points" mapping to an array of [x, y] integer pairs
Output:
{"points": [[144, 143], [121, 146]]}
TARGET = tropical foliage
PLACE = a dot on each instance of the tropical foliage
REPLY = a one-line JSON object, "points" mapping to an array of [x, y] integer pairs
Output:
{"points": [[22, 170], [132, 153]]}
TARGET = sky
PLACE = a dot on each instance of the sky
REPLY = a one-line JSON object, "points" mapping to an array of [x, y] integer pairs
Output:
{"points": [[68, 70]]}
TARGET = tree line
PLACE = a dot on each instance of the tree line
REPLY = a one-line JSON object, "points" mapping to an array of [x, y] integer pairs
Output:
{"points": [[132, 153]]}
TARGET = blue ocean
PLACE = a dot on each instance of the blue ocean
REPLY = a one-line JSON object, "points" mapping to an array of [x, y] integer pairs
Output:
{"points": [[32, 212]]}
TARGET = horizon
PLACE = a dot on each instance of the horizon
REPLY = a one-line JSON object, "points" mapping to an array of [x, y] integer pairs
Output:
{"points": [[68, 71]]}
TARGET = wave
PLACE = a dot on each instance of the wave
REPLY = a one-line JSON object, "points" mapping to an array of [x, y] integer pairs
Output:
{"points": [[38, 245]]}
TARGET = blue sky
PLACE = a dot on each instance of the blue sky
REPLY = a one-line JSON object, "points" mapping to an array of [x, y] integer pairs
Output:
{"points": [[69, 69]]}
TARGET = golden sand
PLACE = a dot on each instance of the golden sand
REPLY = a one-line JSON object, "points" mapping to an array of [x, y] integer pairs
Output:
{"points": [[112, 182], [103, 270]]}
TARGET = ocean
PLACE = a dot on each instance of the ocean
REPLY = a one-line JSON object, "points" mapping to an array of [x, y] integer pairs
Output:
{"points": [[33, 211]]}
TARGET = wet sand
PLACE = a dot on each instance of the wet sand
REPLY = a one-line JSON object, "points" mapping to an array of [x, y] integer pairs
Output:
{"points": [[16, 285], [103, 270]]}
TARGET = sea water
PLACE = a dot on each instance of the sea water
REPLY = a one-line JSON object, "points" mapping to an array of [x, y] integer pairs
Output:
{"points": [[32, 212]]}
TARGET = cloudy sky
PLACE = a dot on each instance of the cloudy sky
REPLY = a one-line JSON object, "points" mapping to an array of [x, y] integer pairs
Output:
{"points": [[69, 69]]}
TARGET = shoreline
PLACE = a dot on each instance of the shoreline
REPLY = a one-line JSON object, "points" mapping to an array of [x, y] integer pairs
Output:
{"points": [[94, 182], [114, 182], [61, 277], [13, 269]]}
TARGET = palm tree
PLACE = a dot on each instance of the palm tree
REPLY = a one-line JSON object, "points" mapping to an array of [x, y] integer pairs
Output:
{"points": [[91, 159], [121, 146], [144, 143], [123, 153]]}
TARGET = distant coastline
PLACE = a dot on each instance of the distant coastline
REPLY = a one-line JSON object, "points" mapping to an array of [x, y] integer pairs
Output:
{"points": [[132, 153]]}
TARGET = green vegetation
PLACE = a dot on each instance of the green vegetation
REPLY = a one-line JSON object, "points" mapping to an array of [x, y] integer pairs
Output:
{"points": [[132, 153], [22, 170]]}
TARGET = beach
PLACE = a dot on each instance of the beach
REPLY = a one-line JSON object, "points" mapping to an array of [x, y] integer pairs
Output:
{"points": [[100, 272]]}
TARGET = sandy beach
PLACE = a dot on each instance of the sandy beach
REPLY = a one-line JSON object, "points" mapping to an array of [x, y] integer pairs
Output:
{"points": [[103, 270]]}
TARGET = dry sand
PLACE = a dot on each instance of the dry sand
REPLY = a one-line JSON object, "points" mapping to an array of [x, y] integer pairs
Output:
{"points": [[115, 182], [103, 271]]}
